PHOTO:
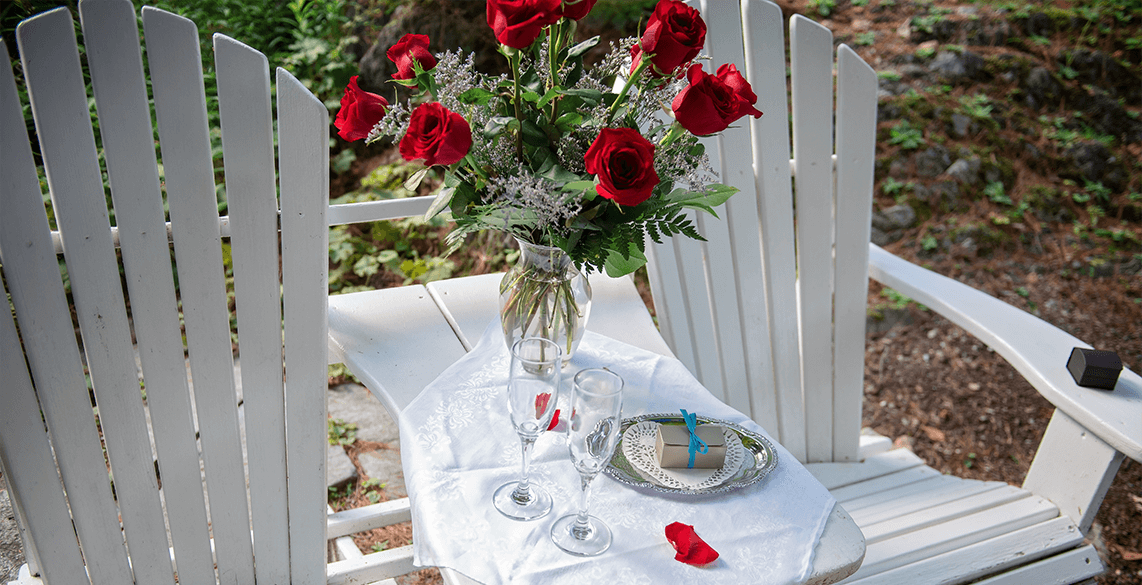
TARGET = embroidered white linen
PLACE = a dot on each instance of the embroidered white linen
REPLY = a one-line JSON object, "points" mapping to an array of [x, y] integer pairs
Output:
{"points": [[458, 446]]}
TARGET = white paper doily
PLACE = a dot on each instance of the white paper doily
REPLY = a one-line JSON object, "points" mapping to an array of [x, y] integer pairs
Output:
{"points": [[638, 447]]}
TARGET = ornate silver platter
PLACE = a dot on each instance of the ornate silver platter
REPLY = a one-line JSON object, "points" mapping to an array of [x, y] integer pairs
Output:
{"points": [[760, 458]]}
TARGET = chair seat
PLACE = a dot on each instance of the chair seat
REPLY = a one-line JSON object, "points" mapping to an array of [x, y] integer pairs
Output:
{"points": [[921, 526]]}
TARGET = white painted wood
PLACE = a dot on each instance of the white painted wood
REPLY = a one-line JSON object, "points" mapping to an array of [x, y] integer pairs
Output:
{"points": [[1073, 468], [32, 273], [839, 551], [694, 283], [883, 484], [68, 148], [356, 520], [370, 211], [765, 64], [383, 337], [856, 138], [989, 556], [1035, 348], [734, 249], [303, 129], [129, 150], [248, 154], [872, 444], [942, 514], [963, 531], [180, 108], [372, 567], [617, 311], [811, 61], [911, 499], [26, 459], [835, 475], [669, 304], [1071, 567]]}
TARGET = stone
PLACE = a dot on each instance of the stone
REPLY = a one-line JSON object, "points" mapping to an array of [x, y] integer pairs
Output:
{"points": [[933, 161], [1039, 25], [960, 125], [339, 469], [1104, 114], [1041, 89], [384, 465], [959, 67], [1102, 70], [353, 403], [11, 547], [898, 217], [898, 168], [965, 171], [1092, 161], [878, 237], [947, 194]]}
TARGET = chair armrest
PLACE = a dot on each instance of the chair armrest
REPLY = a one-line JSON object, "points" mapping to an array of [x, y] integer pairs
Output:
{"points": [[1035, 348]]}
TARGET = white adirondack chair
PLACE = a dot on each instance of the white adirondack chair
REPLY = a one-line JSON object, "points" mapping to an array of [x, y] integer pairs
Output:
{"points": [[770, 315], [267, 522]]}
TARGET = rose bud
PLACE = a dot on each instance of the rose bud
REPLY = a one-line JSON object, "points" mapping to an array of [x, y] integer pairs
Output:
{"points": [[408, 49], [712, 102], [437, 135], [360, 111], [674, 35], [624, 163]]}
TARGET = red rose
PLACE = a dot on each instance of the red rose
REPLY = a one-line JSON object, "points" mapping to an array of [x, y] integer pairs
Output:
{"points": [[408, 49], [624, 162], [577, 9], [712, 102], [517, 23], [360, 111], [674, 35], [437, 135], [692, 550]]}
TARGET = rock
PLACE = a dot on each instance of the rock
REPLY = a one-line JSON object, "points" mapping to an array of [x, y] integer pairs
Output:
{"points": [[897, 217], [11, 547], [898, 168], [384, 464], [1092, 161], [1039, 25], [1102, 70], [965, 171], [960, 125], [880, 238], [354, 403], [947, 194], [913, 71], [1041, 89], [959, 67], [933, 161], [339, 469], [1106, 115], [992, 32]]}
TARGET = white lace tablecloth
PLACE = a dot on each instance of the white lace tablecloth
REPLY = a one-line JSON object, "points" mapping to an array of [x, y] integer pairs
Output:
{"points": [[458, 446]]}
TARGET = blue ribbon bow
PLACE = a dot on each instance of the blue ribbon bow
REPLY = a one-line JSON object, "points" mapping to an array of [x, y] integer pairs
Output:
{"points": [[696, 445]]}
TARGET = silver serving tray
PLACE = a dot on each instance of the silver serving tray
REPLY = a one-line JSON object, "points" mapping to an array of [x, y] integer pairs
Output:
{"points": [[753, 469]]}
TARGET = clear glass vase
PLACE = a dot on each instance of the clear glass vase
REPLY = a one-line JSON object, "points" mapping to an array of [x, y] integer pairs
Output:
{"points": [[544, 295]]}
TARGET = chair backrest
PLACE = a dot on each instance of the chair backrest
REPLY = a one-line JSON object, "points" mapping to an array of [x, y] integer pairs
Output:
{"points": [[769, 312], [161, 444]]}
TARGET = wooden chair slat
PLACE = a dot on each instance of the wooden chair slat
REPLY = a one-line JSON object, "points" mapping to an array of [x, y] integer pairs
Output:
{"points": [[835, 475], [68, 148], [884, 483], [180, 110], [958, 533], [26, 456], [1073, 566], [129, 150], [303, 130], [856, 130], [974, 561], [958, 508], [918, 496], [765, 59], [248, 158]]}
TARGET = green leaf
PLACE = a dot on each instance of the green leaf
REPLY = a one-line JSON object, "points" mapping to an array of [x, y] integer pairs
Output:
{"points": [[533, 134], [579, 186], [714, 195], [414, 181], [582, 47], [550, 95], [559, 174], [618, 265], [476, 95], [443, 197]]}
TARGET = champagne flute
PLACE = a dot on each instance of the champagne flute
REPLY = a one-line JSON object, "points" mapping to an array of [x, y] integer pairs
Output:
{"points": [[596, 411], [533, 383]]}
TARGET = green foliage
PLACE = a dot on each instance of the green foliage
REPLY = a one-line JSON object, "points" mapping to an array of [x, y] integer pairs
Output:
{"points": [[822, 7], [906, 136], [926, 52], [996, 194], [341, 432], [865, 39]]}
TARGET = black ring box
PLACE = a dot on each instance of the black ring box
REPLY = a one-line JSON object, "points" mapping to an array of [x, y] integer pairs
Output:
{"points": [[1094, 368]]}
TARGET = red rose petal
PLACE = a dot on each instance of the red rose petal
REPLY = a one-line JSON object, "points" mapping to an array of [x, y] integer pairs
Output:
{"points": [[554, 420], [692, 550]]}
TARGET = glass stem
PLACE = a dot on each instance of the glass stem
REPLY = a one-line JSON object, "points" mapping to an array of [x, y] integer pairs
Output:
{"points": [[582, 528], [522, 492]]}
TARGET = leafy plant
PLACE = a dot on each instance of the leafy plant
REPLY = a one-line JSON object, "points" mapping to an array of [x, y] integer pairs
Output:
{"points": [[906, 136], [822, 7], [995, 192], [865, 39], [341, 432]]}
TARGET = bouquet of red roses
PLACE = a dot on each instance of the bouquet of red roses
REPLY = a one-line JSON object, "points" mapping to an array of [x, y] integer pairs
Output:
{"points": [[554, 155]]}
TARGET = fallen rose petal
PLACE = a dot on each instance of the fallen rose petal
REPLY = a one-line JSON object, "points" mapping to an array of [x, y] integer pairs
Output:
{"points": [[692, 550]]}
